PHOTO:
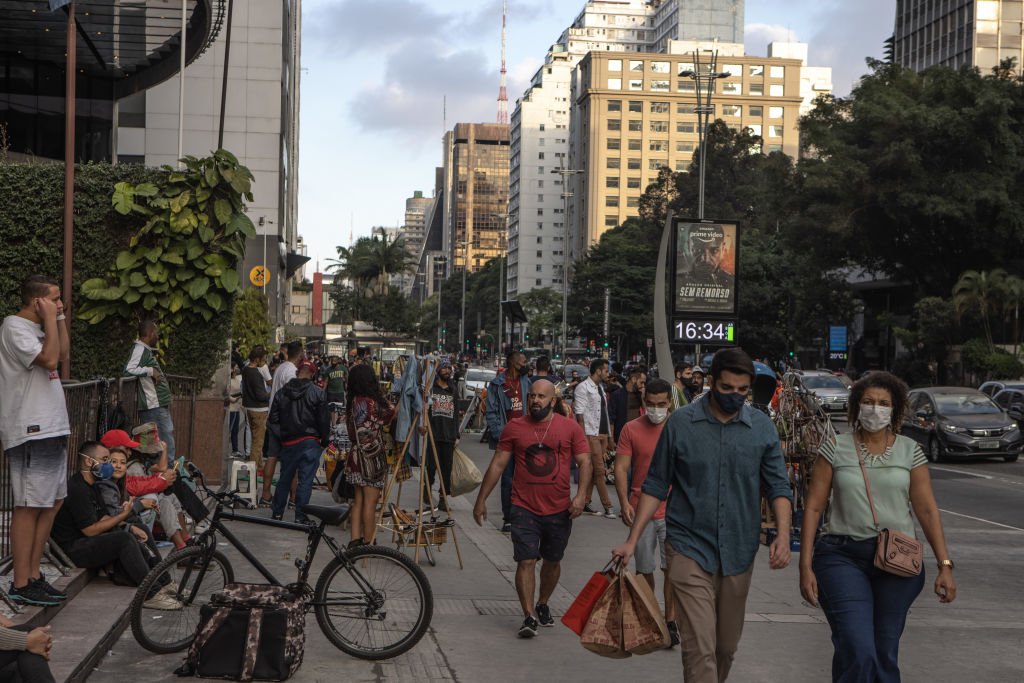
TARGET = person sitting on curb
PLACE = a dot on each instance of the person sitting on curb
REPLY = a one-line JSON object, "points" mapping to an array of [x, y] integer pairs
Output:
{"points": [[113, 493], [145, 478], [25, 652], [93, 539]]}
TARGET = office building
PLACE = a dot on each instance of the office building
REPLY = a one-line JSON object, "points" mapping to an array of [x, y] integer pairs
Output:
{"points": [[695, 20], [956, 33], [476, 172], [414, 230], [636, 114]]}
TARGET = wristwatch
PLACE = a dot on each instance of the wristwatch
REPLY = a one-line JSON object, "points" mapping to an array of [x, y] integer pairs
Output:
{"points": [[946, 563]]}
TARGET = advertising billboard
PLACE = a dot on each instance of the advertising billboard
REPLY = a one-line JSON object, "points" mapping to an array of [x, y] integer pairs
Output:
{"points": [[706, 255]]}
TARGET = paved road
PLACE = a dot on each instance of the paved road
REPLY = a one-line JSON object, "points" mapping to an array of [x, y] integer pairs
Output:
{"points": [[979, 638]]}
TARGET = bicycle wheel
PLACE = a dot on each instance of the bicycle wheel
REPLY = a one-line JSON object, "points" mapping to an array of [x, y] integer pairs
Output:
{"points": [[183, 576], [373, 603]]}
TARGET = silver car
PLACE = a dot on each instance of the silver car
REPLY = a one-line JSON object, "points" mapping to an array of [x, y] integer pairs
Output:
{"points": [[475, 380], [823, 389]]}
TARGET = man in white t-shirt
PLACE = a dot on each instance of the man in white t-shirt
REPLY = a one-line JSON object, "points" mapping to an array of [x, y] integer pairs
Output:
{"points": [[284, 373], [34, 428]]}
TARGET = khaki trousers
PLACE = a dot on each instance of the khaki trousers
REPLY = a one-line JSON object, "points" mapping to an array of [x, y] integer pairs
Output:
{"points": [[711, 619], [258, 427]]}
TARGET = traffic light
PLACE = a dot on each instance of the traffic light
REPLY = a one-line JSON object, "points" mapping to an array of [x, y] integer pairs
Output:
{"points": [[791, 354], [527, 335], [606, 345]]}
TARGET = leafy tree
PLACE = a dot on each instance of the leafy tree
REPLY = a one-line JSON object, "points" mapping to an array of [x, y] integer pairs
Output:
{"points": [[980, 291], [371, 261], [543, 308], [251, 321]]}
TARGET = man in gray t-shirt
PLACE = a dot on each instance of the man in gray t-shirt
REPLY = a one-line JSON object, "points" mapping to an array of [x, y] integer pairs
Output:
{"points": [[34, 428]]}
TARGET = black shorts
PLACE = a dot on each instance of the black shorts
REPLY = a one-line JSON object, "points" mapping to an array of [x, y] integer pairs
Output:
{"points": [[539, 536]]}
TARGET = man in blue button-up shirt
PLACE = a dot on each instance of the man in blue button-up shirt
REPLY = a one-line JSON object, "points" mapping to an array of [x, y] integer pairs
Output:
{"points": [[710, 463]]}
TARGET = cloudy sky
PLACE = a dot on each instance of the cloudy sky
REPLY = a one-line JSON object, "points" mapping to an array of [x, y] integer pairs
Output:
{"points": [[376, 73]]}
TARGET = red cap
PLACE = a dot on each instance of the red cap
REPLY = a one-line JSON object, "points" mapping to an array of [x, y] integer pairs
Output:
{"points": [[118, 438], [306, 365]]}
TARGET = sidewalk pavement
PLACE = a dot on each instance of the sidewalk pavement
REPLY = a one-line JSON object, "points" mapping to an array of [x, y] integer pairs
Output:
{"points": [[476, 614]]}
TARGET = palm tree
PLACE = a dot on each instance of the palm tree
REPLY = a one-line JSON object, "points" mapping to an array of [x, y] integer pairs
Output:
{"points": [[980, 290], [1013, 299]]}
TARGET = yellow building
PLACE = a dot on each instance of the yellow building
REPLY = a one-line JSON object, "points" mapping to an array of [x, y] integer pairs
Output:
{"points": [[634, 114]]}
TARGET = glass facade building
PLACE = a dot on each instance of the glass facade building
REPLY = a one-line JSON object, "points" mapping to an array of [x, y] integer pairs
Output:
{"points": [[956, 33]]}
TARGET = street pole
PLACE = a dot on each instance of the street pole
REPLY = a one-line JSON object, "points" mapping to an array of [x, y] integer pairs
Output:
{"points": [[565, 174], [181, 82], [70, 68], [462, 320]]}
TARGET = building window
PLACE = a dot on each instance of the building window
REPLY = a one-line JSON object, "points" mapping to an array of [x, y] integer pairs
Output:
{"points": [[655, 164], [633, 183], [540, 268], [614, 105], [540, 254], [613, 162], [774, 147], [615, 65], [540, 212], [686, 86], [686, 127], [659, 146], [539, 281], [684, 146], [636, 106], [778, 72], [636, 125], [611, 221], [659, 67], [611, 200], [635, 145], [540, 155], [733, 70], [754, 128], [636, 65], [731, 88], [540, 183], [296, 309], [682, 165], [775, 131], [614, 143], [756, 70], [632, 202], [683, 67], [614, 124], [660, 86], [615, 84], [540, 198], [659, 126], [776, 90], [611, 181], [755, 110], [775, 112], [636, 84], [757, 89], [633, 164], [686, 108], [732, 110]]}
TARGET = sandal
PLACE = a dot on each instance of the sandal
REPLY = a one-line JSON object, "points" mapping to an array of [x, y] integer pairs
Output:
{"points": [[265, 502]]}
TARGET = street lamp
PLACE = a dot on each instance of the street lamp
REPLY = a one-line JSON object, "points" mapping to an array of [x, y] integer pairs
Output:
{"points": [[440, 324], [705, 82], [502, 280], [565, 173], [462, 320]]}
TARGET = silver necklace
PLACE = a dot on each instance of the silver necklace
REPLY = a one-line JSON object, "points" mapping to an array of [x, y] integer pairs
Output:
{"points": [[541, 441], [876, 457]]}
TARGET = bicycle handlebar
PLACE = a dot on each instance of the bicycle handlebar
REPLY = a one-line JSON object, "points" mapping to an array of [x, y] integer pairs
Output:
{"points": [[220, 496]]}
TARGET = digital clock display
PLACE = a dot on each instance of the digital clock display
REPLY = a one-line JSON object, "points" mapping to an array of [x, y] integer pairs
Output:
{"points": [[706, 331]]}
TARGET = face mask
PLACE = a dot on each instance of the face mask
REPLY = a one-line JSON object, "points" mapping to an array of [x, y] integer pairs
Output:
{"points": [[101, 470], [657, 415], [874, 418], [539, 414], [729, 403]]}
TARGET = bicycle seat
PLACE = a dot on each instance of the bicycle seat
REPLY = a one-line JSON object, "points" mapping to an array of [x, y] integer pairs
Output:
{"points": [[332, 514]]}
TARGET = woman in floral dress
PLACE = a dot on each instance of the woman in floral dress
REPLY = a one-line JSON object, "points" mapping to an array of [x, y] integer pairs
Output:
{"points": [[366, 469]]}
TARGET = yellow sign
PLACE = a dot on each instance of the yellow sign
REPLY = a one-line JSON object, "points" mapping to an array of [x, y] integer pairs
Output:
{"points": [[258, 276]]}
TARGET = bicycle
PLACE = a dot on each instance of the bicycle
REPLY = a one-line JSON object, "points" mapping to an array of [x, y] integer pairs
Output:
{"points": [[371, 602]]}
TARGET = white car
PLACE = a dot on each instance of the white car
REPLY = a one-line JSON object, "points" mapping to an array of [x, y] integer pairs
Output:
{"points": [[475, 380]]}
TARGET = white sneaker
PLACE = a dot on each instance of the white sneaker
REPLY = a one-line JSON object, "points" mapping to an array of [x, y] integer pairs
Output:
{"points": [[163, 600], [610, 514]]}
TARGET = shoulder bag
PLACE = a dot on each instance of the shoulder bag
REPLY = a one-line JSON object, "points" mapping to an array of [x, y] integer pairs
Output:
{"points": [[896, 553]]}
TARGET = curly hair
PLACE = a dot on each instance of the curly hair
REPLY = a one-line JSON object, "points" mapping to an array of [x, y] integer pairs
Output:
{"points": [[896, 387], [362, 381]]}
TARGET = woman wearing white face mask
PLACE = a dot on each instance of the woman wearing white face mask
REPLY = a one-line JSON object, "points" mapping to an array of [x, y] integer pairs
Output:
{"points": [[632, 461], [866, 606]]}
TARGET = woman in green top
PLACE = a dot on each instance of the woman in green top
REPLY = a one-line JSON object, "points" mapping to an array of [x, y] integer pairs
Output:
{"points": [[865, 606]]}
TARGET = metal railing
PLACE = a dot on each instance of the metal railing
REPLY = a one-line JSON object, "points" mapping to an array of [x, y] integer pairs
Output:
{"points": [[93, 408]]}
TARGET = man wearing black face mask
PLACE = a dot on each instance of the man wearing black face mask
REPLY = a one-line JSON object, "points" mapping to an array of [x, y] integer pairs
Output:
{"points": [[710, 463], [92, 538], [543, 444]]}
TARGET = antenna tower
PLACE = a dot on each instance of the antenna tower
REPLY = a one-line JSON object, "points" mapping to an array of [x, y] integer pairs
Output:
{"points": [[502, 92]]}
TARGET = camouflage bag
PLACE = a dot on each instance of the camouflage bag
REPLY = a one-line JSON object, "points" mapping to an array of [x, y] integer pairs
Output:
{"points": [[248, 632]]}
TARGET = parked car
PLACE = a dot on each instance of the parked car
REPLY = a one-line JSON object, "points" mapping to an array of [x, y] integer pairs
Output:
{"points": [[475, 380], [994, 387], [1012, 401], [821, 388], [961, 422]]}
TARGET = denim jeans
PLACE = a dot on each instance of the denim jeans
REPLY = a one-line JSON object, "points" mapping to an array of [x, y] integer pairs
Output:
{"points": [[302, 458], [866, 608], [162, 418], [234, 422]]}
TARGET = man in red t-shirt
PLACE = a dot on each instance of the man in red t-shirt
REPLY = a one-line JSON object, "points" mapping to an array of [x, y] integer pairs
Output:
{"points": [[632, 460], [543, 445]]}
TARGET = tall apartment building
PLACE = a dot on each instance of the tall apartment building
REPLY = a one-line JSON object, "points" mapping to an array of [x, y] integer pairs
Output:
{"points": [[261, 128], [637, 114], [955, 33], [414, 229], [476, 173], [697, 20]]}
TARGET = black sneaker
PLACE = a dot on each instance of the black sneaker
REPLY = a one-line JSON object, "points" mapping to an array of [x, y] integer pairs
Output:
{"points": [[588, 509], [529, 628], [673, 634], [45, 585], [544, 615], [506, 528], [32, 594]]}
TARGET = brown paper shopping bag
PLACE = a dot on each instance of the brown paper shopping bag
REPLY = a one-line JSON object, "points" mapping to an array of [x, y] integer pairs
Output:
{"points": [[643, 627], [602, 633]]}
